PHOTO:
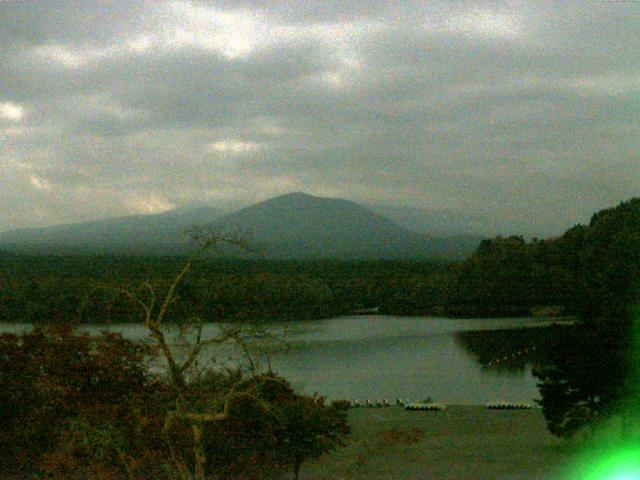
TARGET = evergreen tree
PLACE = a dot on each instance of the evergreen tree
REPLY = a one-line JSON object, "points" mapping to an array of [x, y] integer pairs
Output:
{"points": [[592, 373]]}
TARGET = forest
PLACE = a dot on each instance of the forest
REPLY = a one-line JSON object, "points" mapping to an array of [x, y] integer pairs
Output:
{"points": [[591, 272], [86, 289], [581, 273]]}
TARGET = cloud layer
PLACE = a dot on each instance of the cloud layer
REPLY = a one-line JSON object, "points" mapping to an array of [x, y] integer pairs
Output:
{"points": [[526, 113]]}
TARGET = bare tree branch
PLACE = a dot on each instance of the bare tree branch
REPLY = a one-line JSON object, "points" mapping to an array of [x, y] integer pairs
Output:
{"points": [[200, 344], [153, 321]]}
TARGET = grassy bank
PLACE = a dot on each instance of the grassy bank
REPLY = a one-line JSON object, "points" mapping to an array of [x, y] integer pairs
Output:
{"points": [[463, 442]]}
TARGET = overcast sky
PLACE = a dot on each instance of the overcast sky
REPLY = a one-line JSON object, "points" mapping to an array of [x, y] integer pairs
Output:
{"points": [[526, 113]]}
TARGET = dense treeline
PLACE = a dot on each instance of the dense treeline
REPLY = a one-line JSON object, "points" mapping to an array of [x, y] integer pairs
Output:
{"points": [[508, 276], [589, 272], [593, 371], [88, 288]]}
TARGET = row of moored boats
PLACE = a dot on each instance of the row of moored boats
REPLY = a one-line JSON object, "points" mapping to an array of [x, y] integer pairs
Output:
{"points": [[429, 405]]}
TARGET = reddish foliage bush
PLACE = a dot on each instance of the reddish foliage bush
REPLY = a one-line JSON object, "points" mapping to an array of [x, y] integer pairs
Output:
{"points": [[76, 406], [53, 381]]}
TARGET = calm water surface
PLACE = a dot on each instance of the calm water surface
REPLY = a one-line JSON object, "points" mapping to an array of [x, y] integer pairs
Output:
{"points": [[375, 357]]}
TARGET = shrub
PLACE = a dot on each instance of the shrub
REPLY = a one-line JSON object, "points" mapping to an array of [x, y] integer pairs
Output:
{"points": [[76, 406], [271, 429], [52, 376]]}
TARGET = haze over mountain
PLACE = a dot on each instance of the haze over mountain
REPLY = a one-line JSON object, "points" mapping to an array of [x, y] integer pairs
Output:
{"points": [[436, 222], [161, 233], [294, 225]]}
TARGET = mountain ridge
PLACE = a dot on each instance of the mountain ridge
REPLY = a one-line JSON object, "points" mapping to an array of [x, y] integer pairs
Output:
{"points": [[294, 225]]}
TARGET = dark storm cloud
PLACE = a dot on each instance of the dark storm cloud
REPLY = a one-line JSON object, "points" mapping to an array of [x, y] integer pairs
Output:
{"points": [[524, 112]]}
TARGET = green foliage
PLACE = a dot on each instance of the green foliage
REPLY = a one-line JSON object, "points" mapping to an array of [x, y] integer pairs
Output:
{"points": [[592, 271], [586, 379], [593, 371], [54, 289], [270, 429], [510, 277], [608, 273], [311, 428]]}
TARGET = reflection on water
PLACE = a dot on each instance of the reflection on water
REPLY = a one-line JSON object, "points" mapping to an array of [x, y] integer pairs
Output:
{"points": [[375, 357], [508, 350]]}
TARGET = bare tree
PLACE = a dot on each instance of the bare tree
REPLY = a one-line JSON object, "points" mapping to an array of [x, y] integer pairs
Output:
{"points": [[154, 309]]}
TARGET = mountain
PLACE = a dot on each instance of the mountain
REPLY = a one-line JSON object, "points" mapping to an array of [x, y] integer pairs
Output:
{"points": [[161, 233], [298, 225], [294, 225]]}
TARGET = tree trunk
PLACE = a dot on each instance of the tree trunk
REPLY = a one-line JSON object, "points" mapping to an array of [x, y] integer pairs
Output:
{"points": [[199, 455], [296, 469]]}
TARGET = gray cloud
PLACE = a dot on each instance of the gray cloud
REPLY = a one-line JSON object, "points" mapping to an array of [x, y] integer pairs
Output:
{"points": [[523, 112]]}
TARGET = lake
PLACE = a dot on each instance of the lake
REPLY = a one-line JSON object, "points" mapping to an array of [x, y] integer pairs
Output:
{"points": [[376, 357]]}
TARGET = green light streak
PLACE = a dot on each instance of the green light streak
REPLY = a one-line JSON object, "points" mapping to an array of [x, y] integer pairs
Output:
{"points": [[613, 456], [617, 464]]}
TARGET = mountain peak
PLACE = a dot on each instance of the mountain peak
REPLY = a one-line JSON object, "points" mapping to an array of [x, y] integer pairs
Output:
{"points": [[300, 200], [295, 196]]}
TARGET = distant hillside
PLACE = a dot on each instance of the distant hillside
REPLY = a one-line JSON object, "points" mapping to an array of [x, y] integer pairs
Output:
{"points": [[298, 225], [292, 226], [161, 233]]}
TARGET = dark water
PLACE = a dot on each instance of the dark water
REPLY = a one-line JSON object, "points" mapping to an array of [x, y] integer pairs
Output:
{"points": [[374, 357], [412, 358]]}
